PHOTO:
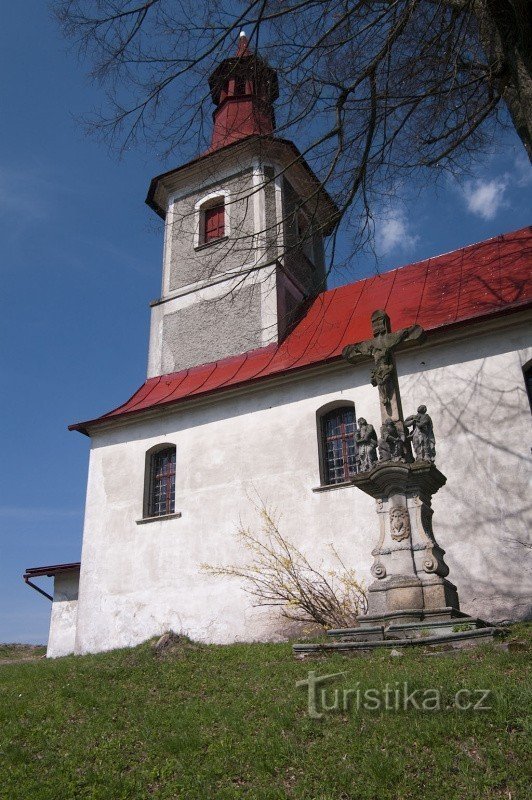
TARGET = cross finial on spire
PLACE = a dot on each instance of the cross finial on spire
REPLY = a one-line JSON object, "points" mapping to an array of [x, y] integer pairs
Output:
{"points": [[243, 45]]}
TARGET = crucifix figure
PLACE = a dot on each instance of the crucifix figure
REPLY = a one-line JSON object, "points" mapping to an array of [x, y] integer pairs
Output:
{"points": [[384, 374]]}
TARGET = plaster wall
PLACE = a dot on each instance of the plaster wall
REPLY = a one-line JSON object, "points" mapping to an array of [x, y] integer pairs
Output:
{"points": [[188, 260], [219, 299], [304, 251], [209, 330], [213, 321], [138, 580], [62, 636]]}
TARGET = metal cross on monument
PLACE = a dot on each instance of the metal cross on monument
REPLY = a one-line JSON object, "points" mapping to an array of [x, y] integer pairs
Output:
{"points": [[382, 349]]}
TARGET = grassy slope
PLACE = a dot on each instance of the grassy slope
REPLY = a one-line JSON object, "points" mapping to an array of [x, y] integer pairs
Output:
{"points": [[228, 722], [21, 652]]}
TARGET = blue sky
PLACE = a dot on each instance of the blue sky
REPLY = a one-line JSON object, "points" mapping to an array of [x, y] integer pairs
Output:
{"points": [[81, 260]]}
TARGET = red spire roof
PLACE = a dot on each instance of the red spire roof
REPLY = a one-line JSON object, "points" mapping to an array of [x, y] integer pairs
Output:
{"points": [[483, 280], [243, 89]]}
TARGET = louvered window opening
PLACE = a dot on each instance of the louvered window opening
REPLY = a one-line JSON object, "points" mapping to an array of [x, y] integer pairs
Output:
{"points": [[340, 449], [214, 222], [163, 483]]}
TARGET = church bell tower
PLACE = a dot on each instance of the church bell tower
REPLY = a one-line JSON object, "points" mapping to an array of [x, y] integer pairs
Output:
{"points": [[244, 229]]}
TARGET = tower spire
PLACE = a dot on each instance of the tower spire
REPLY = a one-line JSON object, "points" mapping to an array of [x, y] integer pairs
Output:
{"points": [[243, 89], [243, 45]]}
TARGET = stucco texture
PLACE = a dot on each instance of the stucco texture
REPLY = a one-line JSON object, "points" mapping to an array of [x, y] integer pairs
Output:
{"points": [[62, 636], [188, 265], [212, 329]]}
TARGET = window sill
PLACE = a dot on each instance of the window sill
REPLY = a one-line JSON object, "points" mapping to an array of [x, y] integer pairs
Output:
{"points": [[211, 243], [161, 517], [328, 486]]}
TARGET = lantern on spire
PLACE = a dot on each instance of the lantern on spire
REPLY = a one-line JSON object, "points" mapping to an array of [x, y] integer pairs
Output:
{"points": [[243, 89]]}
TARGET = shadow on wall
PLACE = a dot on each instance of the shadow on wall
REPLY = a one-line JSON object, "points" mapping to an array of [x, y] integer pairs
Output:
{"points": [[483, 514]]}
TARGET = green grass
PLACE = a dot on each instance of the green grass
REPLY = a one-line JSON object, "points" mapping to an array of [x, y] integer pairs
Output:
{"points": [[228, 722], [19, 652]]}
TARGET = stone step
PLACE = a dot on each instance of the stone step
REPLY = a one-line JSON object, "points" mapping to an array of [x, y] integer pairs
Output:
{"points": [[436, 628], [412, 616], [407, 629], [482, 634]]}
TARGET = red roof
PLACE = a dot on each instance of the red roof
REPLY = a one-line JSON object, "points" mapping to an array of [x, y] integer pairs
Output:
{"points": [[470, 284]]}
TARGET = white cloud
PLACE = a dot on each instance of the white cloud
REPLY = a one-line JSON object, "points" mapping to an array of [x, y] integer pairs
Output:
{"points": [[392, 233], [485, 198]]}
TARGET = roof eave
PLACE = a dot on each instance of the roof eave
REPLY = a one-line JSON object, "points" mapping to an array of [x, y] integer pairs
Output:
{"points": [[51, 570], [299, 160], [85, 427]]}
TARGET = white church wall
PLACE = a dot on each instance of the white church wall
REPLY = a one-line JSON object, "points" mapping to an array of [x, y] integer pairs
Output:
{"points": [[62, 636], [475, 392], [149, 576], [138, 580]]}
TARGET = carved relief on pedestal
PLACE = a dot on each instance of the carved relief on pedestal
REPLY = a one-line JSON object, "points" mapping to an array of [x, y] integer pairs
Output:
{"points": [[430, 563], [399, 523], [378, 570]]}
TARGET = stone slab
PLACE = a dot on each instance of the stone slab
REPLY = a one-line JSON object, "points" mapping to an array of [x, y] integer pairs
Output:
{"points": [[455, 638]]}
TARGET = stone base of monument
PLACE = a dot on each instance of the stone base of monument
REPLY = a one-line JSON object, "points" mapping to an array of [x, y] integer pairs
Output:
{"points": [[408, 567], [391, 632], [411, 602], [407, 592]]}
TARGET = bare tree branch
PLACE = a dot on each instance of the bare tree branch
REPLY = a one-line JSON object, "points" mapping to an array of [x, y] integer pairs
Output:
{"points": [[375, 90]]}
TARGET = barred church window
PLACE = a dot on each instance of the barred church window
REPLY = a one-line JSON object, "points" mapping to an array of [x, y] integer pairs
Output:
{"points": [[162, 483], [338, 445]]}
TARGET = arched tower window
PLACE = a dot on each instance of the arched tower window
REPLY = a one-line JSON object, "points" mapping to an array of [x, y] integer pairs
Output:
{"points": [[212, 221], [159, 495], [338, 453]]}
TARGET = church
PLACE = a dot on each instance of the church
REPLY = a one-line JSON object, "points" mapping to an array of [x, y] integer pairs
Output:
{"points": [[247, 395]]}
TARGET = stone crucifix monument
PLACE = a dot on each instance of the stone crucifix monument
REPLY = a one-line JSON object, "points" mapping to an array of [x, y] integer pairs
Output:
{"points": [[409, 569], [410, 602]]}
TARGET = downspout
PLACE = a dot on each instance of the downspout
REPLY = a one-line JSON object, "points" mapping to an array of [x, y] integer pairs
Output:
{"points": [[37, 588]]}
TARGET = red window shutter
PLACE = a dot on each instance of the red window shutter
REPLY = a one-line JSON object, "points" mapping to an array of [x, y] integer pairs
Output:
{"points": [[214, 223]]}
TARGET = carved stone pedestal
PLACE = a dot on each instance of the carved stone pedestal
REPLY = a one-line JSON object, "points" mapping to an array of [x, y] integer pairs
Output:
{"points": [[408, 565]]}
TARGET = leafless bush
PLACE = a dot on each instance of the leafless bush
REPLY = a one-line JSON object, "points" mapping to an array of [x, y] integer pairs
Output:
{"points": [[279, 574]]}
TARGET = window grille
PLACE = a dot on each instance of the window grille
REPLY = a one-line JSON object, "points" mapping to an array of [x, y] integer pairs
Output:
{"points": [[214, 222], [162, 489], [339, 447]]}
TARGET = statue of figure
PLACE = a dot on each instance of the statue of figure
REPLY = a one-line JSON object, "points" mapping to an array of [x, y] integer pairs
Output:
{"points": [[366, 440], [381, 349], [391, 445], [423, 440]]}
